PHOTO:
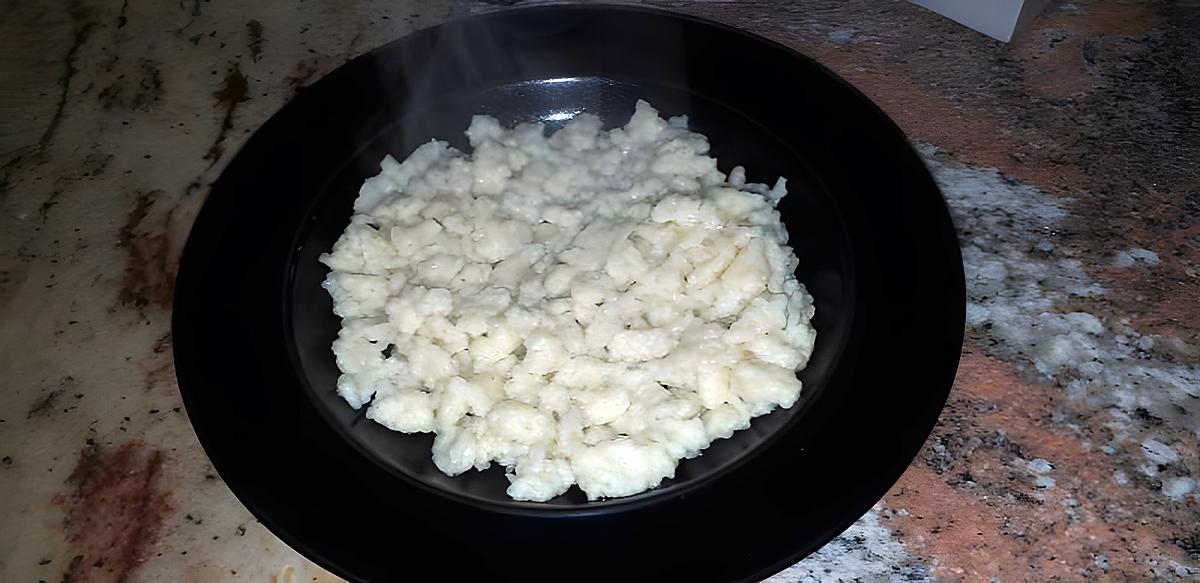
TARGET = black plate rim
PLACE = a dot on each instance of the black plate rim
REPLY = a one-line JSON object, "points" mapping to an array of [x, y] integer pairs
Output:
{"points": [[182, 297]]}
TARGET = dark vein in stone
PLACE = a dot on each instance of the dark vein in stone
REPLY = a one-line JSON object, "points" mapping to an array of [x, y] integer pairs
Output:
{"points": [[82, 30], [254, 29], [195, 12], [232, 92]]}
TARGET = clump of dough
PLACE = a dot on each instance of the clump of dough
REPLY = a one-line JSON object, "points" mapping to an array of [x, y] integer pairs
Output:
{"points": [[586, 308]]}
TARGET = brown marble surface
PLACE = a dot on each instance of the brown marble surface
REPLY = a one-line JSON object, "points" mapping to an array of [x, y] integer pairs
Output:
{"points": [[1068, 450]]}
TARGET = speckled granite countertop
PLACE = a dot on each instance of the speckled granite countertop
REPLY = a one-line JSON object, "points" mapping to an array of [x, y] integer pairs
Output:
{"points": [[1068, 450]]}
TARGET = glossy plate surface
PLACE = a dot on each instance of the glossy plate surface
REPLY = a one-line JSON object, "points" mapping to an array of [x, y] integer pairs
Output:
{"points": [[252, 327]]}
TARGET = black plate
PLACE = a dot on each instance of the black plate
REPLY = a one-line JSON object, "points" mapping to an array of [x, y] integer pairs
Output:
{"points": [[252, 328]]}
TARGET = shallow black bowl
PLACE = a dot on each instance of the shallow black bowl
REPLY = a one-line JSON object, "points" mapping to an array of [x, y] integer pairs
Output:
{"points": [[252, 327]]}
